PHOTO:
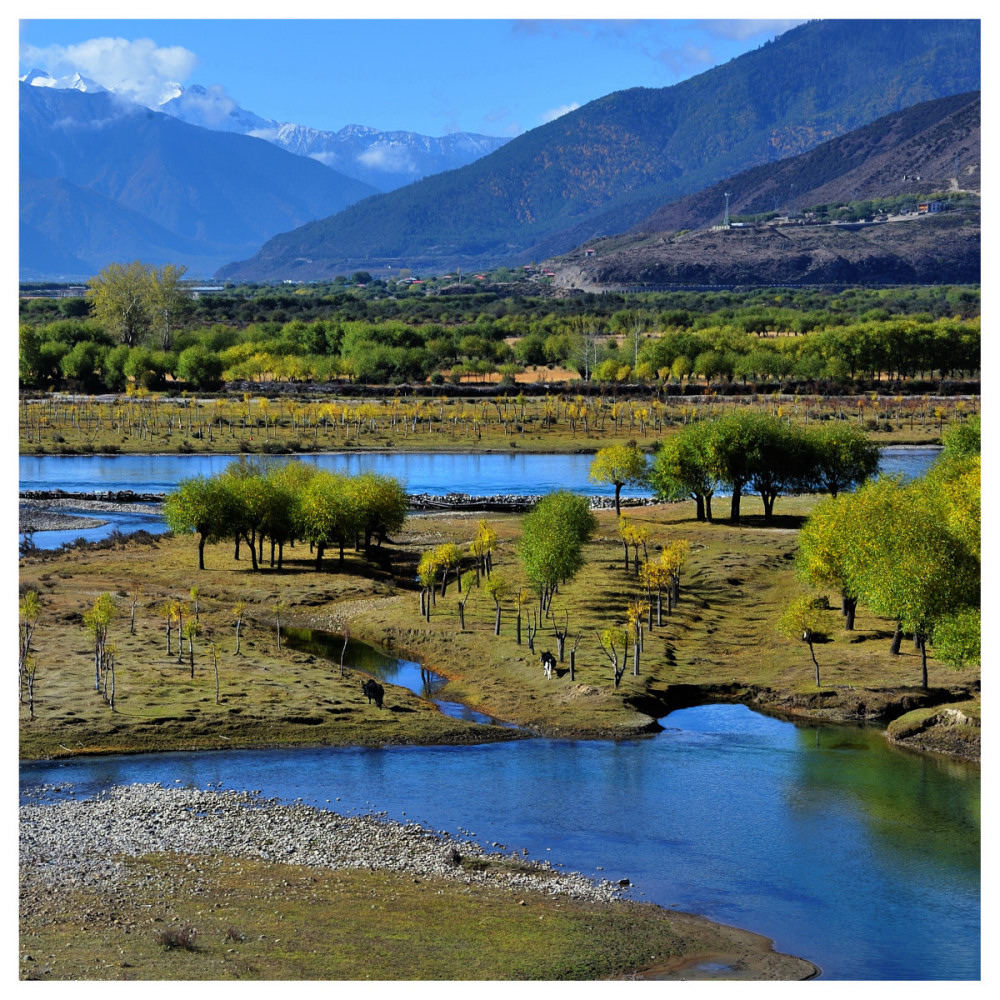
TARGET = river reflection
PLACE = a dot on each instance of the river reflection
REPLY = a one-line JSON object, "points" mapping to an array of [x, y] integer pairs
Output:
{"points": [[858, 856]]}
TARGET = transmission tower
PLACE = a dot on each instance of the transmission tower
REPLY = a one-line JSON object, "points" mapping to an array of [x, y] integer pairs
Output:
{"points": [[725, 221]]}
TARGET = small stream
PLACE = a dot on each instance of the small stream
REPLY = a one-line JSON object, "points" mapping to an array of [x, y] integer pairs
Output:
{"points": [[384, 667]]}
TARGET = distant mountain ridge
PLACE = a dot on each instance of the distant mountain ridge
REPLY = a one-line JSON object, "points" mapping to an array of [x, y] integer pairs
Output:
{"points": [[385, 160], [603, 168], [103, 179]]}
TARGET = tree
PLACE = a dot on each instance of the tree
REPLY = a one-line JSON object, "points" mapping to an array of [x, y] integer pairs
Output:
{"points": [[619, 465], [120, 300], [482, 548], [31, 608], [802, 620], [166, 298], [825, 541], [907, 562], [239, 610], [207, 506], [750, 449], [382, 506], [614, 641], [97, 620], [498, 587], [199, 367], [682, 469], [553, 535], [843, 457], [328, 513]]}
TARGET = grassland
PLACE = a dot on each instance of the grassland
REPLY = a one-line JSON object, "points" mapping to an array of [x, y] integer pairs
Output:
{"points": [[266, 921], [719, 642]]}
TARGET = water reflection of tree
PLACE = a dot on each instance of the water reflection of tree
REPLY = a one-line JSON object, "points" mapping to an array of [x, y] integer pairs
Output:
{"points": [[922, 806]]}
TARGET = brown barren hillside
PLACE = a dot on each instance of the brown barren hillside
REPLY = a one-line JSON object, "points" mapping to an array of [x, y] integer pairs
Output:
{"points": [[932, 148]]}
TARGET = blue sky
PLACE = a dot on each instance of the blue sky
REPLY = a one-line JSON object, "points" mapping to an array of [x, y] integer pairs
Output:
{"points": [[434, 76]]}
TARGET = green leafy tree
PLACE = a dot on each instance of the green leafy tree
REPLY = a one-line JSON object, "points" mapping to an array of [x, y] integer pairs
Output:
{"points": [[120, 301], [166, 299], [553, 536], [909, 565], [328, 513], [682, 468], [207, 506], [843, 456], [619, 465], [826, 541], [199, 367]]}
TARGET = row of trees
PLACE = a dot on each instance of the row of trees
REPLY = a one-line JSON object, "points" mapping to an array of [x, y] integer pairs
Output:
{"points": [[909, 552], [253, 502], [756, 451], [393, 352], [134, 307]]}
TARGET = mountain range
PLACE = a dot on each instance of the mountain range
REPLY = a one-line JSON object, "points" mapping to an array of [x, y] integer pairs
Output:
{"points": [[103, 179], [385, 160], [608, 165]]}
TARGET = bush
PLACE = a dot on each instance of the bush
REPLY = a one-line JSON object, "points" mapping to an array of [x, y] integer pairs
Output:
{"points": [[182, 936]]}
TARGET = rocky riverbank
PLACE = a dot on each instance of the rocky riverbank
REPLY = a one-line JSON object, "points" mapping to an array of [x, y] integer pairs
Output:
{"points": [[53, 513], [80, 842], [124, 873]]}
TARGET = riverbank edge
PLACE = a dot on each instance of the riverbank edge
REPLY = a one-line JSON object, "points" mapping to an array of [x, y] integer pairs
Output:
{"points": [[142, 820], [826, 706]]}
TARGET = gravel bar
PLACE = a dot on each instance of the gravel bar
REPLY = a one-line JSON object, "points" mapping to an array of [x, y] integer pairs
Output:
{"points": [[75, 842]]}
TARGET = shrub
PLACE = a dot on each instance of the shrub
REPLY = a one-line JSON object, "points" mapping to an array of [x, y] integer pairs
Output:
{"points": [[182, 936]]}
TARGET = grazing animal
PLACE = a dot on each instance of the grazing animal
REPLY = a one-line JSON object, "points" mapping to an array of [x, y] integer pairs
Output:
{"points": [[374, 691], [548, 663]]}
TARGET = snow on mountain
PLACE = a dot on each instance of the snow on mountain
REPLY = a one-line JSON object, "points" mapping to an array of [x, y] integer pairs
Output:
{"points": [[386, 160], [39, 78]]}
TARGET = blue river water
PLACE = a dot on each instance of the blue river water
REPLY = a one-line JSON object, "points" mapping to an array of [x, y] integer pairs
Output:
{"points": [[483, 474], [859, 856]]}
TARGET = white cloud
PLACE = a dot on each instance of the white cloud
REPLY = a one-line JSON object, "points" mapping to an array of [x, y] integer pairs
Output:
{"points": [[138, 69], [553, 113], [208, 107], [394, 159]]}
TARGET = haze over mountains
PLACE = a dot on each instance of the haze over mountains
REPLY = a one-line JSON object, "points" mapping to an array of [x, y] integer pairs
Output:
{"points": [[101, 183], [201, 183]]}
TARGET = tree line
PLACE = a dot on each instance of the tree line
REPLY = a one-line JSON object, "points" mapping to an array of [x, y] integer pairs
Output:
{"points": [[755, 451], [253, 502], [138, 325]]}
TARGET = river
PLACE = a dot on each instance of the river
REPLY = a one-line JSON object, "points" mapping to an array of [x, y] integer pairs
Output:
{"points": [[483, 474], [861, 857]]}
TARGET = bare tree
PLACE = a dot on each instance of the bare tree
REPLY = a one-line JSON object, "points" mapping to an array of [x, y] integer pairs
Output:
{"points": [[239, 609]]}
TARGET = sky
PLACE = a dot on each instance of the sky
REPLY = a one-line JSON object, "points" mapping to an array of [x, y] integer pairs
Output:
{"points": [[434, 75]]}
